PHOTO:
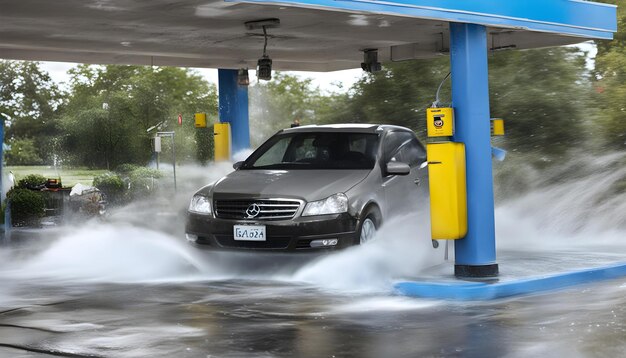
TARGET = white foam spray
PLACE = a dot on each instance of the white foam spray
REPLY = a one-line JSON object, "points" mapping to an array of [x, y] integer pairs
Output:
{"points": [[141, 241], [111, 253], [402, 248], [242, 155], [166, 210], [586, 210]]}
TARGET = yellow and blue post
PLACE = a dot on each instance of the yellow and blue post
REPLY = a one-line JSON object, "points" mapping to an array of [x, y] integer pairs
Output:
{"points": [[233, 108], [475, 254]]}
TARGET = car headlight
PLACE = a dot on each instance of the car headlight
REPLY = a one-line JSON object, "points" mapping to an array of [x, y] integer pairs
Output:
{"points": [[200, 204], [334, 204]]}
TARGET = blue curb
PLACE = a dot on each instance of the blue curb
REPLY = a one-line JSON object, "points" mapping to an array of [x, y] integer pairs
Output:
{"points": [[489, 291]]}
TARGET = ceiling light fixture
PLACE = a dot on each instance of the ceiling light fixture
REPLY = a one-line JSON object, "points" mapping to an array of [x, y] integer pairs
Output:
{"points": [[370, 61], [242, 77], [264, 65]]}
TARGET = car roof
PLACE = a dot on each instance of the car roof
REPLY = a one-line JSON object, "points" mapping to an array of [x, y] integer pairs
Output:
{"points": [[344, 127]]}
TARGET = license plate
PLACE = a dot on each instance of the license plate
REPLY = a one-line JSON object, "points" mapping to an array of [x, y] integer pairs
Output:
{"points": [[249, 232]]}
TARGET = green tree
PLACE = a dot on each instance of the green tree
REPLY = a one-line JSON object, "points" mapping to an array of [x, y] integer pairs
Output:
{"points": [[112, 107], [23, 152], [278, 103], [542, 95], [610, 84], [30, 103], [399, 94]]}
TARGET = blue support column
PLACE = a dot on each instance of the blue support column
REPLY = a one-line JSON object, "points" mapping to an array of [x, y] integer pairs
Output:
{"points": [[475, 254], [233, 108]]}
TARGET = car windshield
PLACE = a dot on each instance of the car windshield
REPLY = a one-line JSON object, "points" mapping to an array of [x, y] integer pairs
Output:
{"points": [[316, 150]]}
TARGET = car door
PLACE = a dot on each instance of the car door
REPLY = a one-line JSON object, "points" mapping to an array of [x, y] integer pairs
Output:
{"points": [[414, 154], [402, 191]]}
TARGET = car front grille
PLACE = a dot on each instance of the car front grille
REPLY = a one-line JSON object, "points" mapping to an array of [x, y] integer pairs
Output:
{"points": [[270, 209]]}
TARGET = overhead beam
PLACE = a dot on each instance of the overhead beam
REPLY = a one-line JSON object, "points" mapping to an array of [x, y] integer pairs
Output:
{"points": [[566, 17]]}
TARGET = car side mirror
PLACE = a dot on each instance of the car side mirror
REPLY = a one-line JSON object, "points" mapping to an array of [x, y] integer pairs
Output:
{"points": [[237, 165], [398, 168]]}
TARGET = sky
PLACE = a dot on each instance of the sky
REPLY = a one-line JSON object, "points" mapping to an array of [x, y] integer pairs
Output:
{"points": [[327, 81]]}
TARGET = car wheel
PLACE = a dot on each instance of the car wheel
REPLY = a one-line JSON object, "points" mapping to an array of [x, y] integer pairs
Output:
{"points": [[368, 228]]}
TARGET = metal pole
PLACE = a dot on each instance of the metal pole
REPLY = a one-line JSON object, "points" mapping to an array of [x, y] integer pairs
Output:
{"points": [[174, 158], [172, 136], [475, 254]]}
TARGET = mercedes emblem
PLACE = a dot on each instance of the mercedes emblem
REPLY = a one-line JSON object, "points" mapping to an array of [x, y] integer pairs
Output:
{"points": [[252, 211]]}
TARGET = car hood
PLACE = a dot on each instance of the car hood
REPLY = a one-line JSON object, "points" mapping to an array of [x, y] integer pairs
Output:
{"points": [[309, 185]]}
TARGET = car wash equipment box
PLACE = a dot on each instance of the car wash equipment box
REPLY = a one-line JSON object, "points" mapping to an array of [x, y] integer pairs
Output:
{"points": [[440, 122], [448, 191], [200, 120]]}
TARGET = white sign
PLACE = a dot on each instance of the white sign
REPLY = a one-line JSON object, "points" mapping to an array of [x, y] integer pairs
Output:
{"points": [[157, 144]]}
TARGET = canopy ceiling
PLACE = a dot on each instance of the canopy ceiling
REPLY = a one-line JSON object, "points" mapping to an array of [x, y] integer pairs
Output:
{"points": [[313, 35]]}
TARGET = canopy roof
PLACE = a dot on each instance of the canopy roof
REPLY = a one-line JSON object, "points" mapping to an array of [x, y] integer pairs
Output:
{"points": [[314, 35]]}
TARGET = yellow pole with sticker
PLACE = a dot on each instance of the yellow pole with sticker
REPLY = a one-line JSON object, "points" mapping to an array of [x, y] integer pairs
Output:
{"points": [[221, 135], [448, 197], [446, 173]]}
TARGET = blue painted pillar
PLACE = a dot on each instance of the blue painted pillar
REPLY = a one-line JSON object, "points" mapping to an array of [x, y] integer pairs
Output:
{"points": [[475, 254], [233, 108]]}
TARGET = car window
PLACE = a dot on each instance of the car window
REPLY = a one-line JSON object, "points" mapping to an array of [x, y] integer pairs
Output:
{"points": [[316, 150], [305, 150], [411, 152], [275, 153], [393, 141]]}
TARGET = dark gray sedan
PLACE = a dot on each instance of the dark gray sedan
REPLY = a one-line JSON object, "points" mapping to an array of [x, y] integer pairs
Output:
{"points": [[312, 188]]}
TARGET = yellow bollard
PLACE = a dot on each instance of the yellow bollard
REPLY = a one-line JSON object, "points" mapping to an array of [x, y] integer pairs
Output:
{"points": [[221, 135], [448, 191]]}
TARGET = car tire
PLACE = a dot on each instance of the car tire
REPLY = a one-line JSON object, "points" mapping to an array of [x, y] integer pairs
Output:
{"points": [[368, 226]]}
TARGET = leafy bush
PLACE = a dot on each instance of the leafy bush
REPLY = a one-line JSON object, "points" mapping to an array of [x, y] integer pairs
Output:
{"points": [[27, 206], [128, 182], [143, 172], [32, 181], [126, 169], [111, 185], [142, 182]]}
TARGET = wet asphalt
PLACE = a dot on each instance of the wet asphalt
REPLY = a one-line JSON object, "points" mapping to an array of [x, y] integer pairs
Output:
{"points": [[195, 314]]}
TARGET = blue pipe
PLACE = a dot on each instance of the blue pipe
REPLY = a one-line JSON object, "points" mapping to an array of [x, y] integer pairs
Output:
{"points": [[233, 108], [475, 254]]}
